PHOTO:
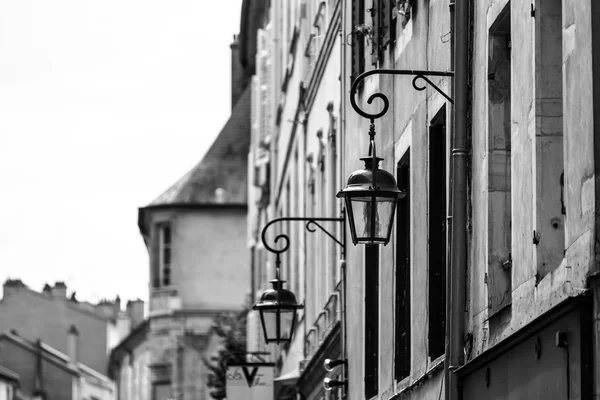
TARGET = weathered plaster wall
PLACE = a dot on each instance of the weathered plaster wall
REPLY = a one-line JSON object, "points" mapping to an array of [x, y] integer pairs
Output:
{"points": [[209, 265], [532, 296], [40, 316], [311, 265], [57, 381], [422, 44]]}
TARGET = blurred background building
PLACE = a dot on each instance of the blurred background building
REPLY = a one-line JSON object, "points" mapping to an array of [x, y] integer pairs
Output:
{"points": [[195, 233]]}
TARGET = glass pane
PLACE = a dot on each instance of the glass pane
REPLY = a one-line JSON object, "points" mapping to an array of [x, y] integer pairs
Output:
{"points": [[270, 321], [362, 209], [166, 234], [287, 320], [384, 216]]}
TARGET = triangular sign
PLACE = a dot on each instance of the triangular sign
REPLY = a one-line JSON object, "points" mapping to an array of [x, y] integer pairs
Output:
{"points": [[249, 375]]}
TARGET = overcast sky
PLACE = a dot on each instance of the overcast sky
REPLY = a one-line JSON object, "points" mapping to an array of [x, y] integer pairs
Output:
{"points": [[103, 105]]}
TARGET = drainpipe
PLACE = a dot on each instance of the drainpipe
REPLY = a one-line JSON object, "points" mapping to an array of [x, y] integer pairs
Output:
{"points": [[451, 7], [458, 250]]}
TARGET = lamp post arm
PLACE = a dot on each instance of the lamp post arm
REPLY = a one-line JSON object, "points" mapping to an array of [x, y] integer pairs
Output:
{"points": [[418, 74], [311, 224]]}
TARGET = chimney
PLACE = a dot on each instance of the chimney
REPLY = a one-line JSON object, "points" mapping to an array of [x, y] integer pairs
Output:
{"points": [[12, 286], [73, 343], [135, 312], [59, 290], [47, 290], [106, 308]]}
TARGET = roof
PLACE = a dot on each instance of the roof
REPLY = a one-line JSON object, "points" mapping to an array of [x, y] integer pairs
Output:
{"points": [[224, 166], [56, 357], [82, 307], [9, 375], [49, 353]]}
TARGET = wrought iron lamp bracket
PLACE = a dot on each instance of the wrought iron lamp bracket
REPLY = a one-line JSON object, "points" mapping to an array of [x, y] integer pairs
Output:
{"points": [[312, 223], [418, 74]]}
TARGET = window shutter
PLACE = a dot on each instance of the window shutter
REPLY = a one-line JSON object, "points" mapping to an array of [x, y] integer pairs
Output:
{"points": [[402, 345], [358, 39], [384, 23], [437, 240], [371, 321], [375, 38]]}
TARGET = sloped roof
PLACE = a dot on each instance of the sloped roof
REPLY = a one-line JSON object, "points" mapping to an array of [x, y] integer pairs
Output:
{"points": [[224, 166], [8, 375], [54, 356], [49, 353]]}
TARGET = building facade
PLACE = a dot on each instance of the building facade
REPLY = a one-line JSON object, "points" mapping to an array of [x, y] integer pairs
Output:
{"points": [[45, 372], [294, 172], [49, 314], [525, 328], [9, 384], [195, 234]]}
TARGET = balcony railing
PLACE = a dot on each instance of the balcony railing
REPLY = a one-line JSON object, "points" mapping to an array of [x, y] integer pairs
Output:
{"points": [[328, 317]]}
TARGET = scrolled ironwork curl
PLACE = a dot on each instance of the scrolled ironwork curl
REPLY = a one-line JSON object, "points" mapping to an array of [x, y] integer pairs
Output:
{"points": [[419, 74], [424, 86], [282, 236], [311, 226], [415, 84]]}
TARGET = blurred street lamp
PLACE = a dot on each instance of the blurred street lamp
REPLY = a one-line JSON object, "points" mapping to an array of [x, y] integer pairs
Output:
{"points": [[278, 306]]}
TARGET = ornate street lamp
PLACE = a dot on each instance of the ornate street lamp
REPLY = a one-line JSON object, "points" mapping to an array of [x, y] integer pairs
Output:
{"points": [[372, 193], [371, 196], [278, 306]]}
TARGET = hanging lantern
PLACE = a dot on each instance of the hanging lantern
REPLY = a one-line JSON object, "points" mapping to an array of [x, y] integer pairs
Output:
{"points": [[371, 196], [277, 308]]}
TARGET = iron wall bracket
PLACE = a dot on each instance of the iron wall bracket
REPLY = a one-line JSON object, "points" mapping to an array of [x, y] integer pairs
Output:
{"points": [[312, 223], [418, 74]]}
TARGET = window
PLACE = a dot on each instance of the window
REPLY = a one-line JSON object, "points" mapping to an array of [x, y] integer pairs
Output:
{"points": [[297, 229], [371, 320], [322, 200], [402, 352], [437, 235], [549, 163], [383, 14], [287, 230], [165, 254], [499, 165], [332, 188]]}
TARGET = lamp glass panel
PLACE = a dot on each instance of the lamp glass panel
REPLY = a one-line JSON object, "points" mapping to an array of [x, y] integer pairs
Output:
{"points": [[385, 209], [270, 323], [287, 323], [362, 209]]}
